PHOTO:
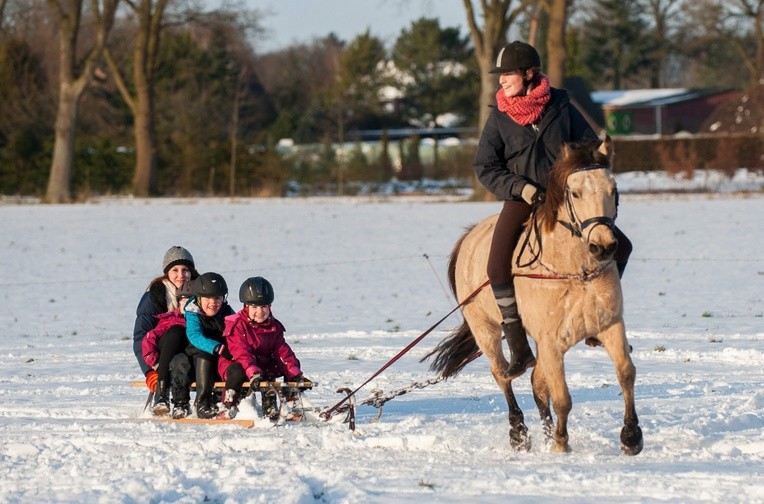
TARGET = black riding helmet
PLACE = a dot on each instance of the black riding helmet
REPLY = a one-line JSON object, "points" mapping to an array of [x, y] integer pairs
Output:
{"points": [[256, 291], [210, 285], [186, 290]]}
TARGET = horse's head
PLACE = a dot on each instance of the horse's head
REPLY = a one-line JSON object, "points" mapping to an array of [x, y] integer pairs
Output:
{"points": [[582, 195]]}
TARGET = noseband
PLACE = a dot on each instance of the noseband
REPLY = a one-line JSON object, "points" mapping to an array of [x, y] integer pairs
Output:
{"points": [[576, 226]]}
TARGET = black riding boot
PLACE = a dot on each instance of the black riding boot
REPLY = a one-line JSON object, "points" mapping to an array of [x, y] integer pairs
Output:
{"points": [[205, 402], [521, 356], [161, 405]]}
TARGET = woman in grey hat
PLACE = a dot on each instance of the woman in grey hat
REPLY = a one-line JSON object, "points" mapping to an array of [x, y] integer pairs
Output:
{"points": [[161, 296], [520, 142]]}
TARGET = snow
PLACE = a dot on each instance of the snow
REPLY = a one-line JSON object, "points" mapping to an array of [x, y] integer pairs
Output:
{"points": [[356, 280], [626, 97]]}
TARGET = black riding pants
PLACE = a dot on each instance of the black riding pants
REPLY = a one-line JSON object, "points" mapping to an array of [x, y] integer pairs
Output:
{"points": [[170, 344]]}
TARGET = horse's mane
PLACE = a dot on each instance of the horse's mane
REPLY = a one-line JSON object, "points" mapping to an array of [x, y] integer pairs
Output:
{"points": [[573, 156]]}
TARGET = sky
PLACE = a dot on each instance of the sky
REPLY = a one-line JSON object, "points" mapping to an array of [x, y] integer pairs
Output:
{"points": [[356, 280], [290, 21]]}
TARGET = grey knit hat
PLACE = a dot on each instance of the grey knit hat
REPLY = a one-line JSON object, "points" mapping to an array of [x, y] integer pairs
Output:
{"points": [[177, 255]]}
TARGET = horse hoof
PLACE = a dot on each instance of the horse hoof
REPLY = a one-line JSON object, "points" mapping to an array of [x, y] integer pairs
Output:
{"points": [[519, 439], [631, 441], [560, 448]]}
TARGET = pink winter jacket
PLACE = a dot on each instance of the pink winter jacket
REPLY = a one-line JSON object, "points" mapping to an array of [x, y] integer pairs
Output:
{"points": [[260, 348], [150, 345]]}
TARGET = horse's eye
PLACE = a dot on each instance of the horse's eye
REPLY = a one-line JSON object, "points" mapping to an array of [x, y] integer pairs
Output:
{"points": [[575, 194]]}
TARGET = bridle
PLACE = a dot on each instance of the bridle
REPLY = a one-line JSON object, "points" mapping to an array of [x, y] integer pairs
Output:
{"points": [[576, 227]]}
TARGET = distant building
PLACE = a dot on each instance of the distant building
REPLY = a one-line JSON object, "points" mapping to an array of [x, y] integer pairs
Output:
{"points": [[658, 111]]}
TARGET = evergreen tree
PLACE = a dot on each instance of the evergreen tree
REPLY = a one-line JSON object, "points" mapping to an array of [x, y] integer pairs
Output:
{"points": [[616, 44], [436, 71]]}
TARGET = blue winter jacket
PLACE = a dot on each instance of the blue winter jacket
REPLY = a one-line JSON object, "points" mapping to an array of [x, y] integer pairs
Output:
{"points": [[205, 333]]}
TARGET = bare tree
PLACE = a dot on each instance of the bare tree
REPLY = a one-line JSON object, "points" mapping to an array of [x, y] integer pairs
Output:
{"points": [[661, 11], [3, 3], [149, 14], [750, 11], [488, 39], [74, 78], [556, 53]]}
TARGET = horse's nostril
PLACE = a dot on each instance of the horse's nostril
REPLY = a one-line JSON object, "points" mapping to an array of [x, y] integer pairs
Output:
{"points": [[602, 252]]}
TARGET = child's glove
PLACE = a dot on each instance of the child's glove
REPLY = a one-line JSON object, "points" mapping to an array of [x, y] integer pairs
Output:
{"points": [[151, 380], [222, 351], [300, 378], [254, 382]]}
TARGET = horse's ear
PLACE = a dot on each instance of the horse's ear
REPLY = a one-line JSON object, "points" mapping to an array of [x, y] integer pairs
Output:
{"points": [[564, 150], [606, 147]]}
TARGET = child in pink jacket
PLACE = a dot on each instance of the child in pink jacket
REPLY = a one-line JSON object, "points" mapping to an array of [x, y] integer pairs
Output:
{"points": [[256, 341]]}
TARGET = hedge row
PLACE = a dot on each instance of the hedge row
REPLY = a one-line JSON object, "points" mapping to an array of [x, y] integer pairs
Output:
{"points": [[725, 152]]}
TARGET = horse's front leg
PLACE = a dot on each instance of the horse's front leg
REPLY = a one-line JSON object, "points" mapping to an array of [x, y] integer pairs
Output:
{"points": [[614, 341], [551, 367], [541, 397]]}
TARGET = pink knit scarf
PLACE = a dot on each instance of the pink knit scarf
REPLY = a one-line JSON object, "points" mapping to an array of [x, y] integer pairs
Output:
{"points": [[526, 109]]}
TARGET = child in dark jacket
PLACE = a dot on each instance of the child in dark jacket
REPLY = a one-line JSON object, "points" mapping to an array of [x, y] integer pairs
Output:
{"points": [[205, 320], [256, 341], [162, 349]]}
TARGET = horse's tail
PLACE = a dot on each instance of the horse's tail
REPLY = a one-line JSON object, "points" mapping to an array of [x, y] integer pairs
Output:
{"points": [[454, 352]]}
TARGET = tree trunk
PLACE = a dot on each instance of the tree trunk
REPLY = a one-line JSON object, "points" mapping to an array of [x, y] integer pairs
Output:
{"points": [[59, 182], [555, 42], [74, 77], [144, 177], [497, 19]]}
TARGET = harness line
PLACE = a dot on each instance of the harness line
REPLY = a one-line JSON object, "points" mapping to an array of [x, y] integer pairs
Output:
{"points": [[326, 414]]}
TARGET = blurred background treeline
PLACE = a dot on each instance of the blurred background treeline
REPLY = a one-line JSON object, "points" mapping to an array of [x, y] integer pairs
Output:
{"points": [[169, 97]]}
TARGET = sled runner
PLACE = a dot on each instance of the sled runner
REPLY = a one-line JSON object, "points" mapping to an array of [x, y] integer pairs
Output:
{"points": [[241, 422]]}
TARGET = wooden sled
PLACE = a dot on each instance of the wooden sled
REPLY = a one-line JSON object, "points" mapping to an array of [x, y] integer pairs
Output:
{"points": [[263, 385]]}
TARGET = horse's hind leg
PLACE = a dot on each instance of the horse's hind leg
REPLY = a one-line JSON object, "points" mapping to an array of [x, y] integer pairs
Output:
{"points": [[614, 341], [487, 334], [519, 438]]}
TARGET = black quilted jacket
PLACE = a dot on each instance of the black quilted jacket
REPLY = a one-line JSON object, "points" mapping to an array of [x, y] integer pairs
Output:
{"points": [[510, 155]]}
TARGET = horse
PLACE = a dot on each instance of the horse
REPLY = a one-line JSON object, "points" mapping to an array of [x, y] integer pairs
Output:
{"points": [[567, 287]]}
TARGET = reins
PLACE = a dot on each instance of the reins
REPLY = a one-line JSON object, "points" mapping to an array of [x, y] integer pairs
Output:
{"points": [[326, 414]]}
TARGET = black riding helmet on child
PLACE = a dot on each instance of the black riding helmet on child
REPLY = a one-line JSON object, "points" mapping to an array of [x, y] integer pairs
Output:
{"points": [[256, 291], [210, 285]]}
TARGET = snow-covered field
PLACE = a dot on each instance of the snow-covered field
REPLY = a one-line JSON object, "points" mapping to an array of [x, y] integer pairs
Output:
{"points": [[356, 280]]}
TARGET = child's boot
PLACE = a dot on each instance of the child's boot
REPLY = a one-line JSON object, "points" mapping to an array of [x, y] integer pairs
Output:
{"points": [[161, 405], [181, 397], [270, 409], [231, 400], [205, 402]]}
